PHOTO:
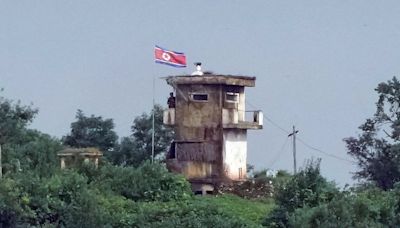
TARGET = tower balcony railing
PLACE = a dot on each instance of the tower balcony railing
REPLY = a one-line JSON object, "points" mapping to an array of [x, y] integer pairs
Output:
{"points": [[250, 120]]}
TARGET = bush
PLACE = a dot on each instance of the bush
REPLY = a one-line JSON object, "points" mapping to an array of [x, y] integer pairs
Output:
{"points": [[370, 208], [34, 152], [182, 214], [62, 199], [252, 211], [307, 188], [147, 196], [149, 182], [10, 207]]}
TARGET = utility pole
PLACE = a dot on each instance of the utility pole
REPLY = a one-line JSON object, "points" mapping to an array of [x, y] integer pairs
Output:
{"points": [[294, 148], [152, 124], [1, 166]]}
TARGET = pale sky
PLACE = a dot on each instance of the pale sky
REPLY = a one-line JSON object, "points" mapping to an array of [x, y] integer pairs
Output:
{"points": [[316, 62]]}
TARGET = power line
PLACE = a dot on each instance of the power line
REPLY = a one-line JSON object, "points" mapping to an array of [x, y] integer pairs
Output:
{"points": [[276, 125], [301, 140], [269, 120], [323, 152], [278, 155]]}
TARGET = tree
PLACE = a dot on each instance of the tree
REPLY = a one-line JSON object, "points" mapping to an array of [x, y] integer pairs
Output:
{"points": [[93, 131], [377, 148], [33, 151], [127, 153], [142, 133], [135, 149], [13, 118], [371, 207], [307, 188]]}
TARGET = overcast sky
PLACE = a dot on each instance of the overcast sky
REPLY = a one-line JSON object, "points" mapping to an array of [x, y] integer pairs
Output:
{"points": [[316, 62]]}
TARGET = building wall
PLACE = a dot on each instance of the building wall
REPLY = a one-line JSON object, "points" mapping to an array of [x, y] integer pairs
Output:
{"points": [[233, 112], [196, 120], [204, 151], [242, 104], [198, 132], [235, 153]]}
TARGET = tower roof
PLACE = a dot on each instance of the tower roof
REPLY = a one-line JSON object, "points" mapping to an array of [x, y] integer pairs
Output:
{"points": [[88, 151], [212, 79]]}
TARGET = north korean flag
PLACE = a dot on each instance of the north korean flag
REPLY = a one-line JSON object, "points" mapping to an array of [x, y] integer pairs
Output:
{"points": [[172, 58]]}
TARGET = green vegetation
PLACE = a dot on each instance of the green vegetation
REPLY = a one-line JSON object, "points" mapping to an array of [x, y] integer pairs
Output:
{"points": [[307, 188], [147, 196], [94, 131], [251, 211], [128, 191], [91, 131], [34, 192], [368, 208], [377, 148], [308, 200]]}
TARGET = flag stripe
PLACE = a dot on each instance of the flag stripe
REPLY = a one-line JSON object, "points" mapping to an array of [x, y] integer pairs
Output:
{"points": [[172, 58], [170, 64], [176, 52]]}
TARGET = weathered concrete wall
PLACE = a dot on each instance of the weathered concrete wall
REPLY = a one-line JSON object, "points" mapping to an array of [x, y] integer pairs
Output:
{"points": [[195, 171], [242, 104], [169, 116], [198, 120], [230, 116], [198, 131], [235, 153]]}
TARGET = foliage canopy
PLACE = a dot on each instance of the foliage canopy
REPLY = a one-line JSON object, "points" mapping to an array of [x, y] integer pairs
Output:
{"points": [[135, 149], [377, 148], [92, 131]]}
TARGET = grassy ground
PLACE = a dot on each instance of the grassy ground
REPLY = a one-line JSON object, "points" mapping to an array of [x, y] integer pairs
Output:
{"points": [[253, 211]]}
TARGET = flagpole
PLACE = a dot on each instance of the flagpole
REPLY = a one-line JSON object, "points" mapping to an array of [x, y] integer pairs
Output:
{"points": [[172, 58], [152, 131]]}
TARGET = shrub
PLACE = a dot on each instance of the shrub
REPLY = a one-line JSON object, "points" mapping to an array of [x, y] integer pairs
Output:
{"points": [[149, 182], [62, 199], [10, 208], [183, 214], [106, 198], [307, 188], [369, 208]]}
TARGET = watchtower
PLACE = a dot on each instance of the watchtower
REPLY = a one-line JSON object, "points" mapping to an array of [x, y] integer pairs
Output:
{"points": [[210, 123]]}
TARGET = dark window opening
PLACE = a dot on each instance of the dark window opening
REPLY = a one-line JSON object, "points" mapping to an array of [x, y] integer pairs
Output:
{"points": [[172, 151], [200, 97], [232, 97]]}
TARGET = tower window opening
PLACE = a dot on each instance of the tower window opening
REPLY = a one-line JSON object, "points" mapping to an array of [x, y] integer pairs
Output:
{"points": [[172, 151], [199, 96], [232, 97]]}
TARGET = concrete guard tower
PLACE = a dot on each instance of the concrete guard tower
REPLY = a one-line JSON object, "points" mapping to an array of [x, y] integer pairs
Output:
{"points": [[210, 123]]}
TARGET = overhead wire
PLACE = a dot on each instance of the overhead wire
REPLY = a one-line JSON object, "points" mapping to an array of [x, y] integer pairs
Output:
{"points": [[323, 152], [301, 140], [278, 155], [269, 120]]}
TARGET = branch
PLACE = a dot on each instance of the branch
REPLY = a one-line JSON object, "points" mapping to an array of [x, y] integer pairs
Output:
{"points": [[388, 135]]}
